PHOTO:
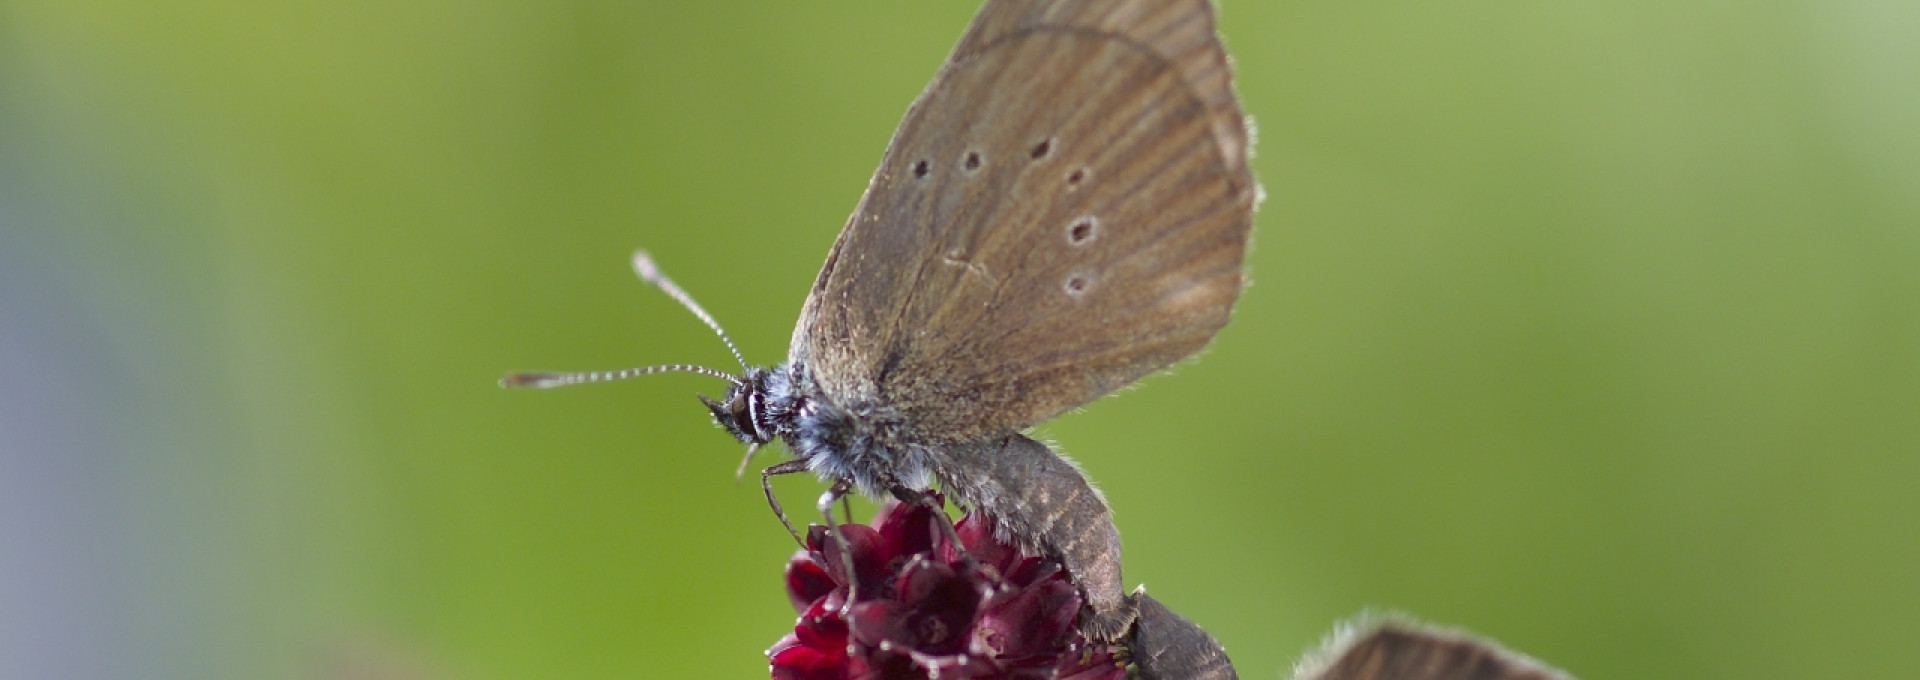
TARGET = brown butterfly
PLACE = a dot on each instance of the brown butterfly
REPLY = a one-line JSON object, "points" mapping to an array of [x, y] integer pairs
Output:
{"points": [[1063, 211], [1400, 650], [1165, 646]]}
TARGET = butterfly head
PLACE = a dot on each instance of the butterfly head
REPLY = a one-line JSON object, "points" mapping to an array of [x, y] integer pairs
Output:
{"points": [[743, 411]]}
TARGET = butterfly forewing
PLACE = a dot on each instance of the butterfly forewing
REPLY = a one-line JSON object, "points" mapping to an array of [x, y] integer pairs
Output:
{"points": [[1065, 210], [1179, 31]]}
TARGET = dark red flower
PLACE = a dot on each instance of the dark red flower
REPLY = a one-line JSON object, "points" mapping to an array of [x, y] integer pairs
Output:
{"points": [[922, 610]]}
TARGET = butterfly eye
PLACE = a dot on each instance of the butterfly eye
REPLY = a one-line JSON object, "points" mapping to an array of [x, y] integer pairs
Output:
{"points": [[740, 409]]}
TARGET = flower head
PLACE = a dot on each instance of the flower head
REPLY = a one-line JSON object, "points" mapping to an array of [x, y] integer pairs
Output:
{"points": [[923, 609]]}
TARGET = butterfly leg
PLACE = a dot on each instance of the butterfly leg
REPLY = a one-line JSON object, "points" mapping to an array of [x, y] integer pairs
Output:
{"points": [[833, 495], [766, 483]]}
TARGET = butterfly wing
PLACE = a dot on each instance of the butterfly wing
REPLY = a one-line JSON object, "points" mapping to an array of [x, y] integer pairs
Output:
{"points": [[1064, 210], [1403, 651], [1166, 646]]}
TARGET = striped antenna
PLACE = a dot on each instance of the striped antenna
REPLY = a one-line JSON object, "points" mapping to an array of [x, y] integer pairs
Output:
{"points": [[547, 380], [644, 266], [649, 272]]}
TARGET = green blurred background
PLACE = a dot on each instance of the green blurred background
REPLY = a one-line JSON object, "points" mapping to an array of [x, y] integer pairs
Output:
{"points": [[1594, 328]]}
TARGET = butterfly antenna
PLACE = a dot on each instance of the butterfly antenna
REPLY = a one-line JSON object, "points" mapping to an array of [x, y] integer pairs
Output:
{"points": [[649, 272], [547, 380]]}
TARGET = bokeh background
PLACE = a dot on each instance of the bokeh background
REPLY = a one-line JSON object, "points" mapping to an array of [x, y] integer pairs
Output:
{"points": [[1591, 327]]}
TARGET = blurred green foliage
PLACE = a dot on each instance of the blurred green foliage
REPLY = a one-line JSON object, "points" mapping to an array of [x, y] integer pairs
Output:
{"points": [[1593, 328]]}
